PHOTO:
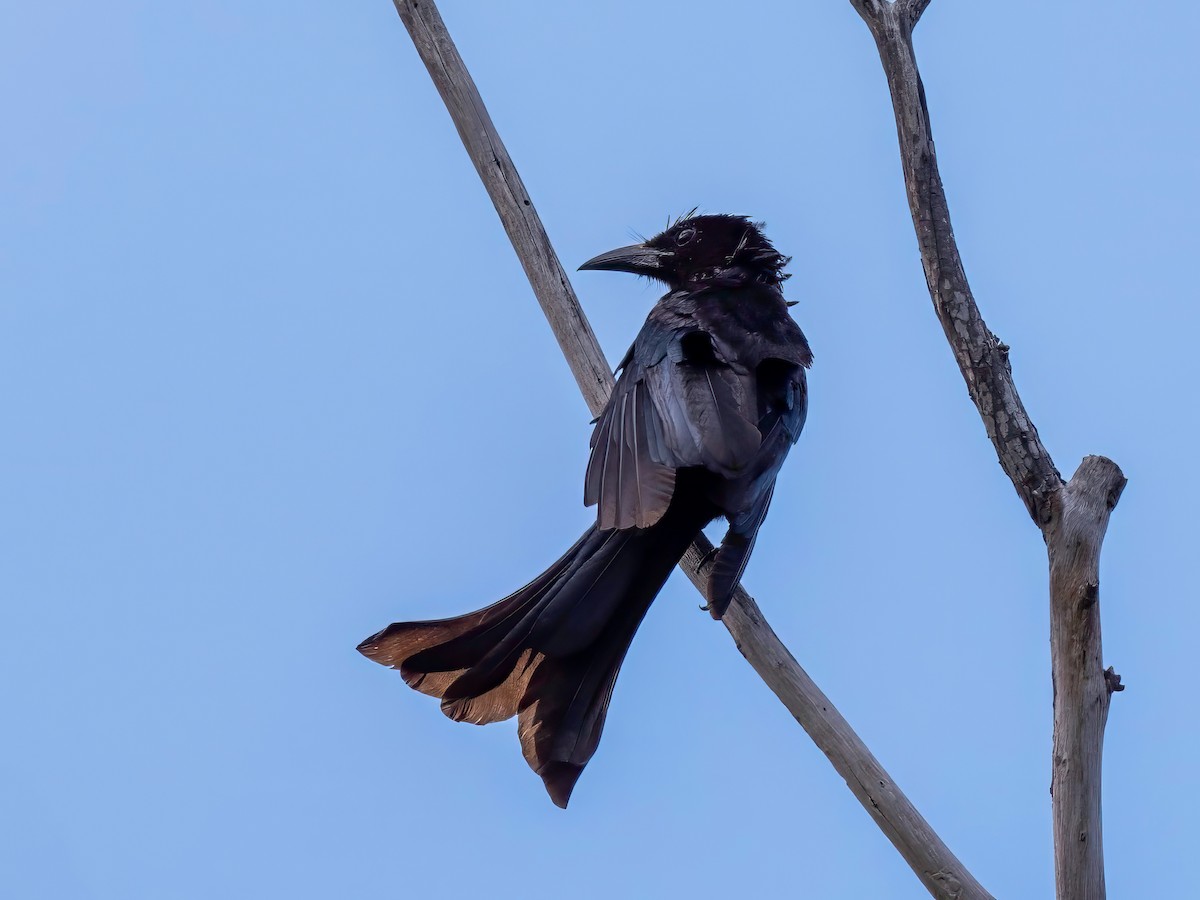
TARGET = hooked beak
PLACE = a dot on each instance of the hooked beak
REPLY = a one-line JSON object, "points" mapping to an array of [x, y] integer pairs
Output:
{"points": [[637, 259]]}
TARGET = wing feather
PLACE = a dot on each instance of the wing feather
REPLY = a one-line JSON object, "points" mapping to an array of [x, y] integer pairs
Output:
{"points": [[630, 474]]}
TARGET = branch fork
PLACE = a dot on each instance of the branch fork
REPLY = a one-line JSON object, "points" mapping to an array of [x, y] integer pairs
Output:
{"points": [[1072, 516]]}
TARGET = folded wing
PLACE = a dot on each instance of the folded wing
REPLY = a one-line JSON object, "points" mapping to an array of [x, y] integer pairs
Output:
{"points": [[677, 403]]}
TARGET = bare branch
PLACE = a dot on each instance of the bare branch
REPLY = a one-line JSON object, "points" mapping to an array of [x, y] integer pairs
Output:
{"points": [[878, 11], [982, 357], [937, 867], [1082, 687], [913, 10], [1072, 517], [870, 10], [546, 275], [933, 862]]}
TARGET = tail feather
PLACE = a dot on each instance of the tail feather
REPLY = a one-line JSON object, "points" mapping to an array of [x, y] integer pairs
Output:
{"points": [[549, 653], [459, 642], [543, 617], [562, 716], [501, 702]]}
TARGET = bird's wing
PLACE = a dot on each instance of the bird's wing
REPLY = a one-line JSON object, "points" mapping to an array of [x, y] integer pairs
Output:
{"points": [[707, 403], [677, 403], [630, 473]]}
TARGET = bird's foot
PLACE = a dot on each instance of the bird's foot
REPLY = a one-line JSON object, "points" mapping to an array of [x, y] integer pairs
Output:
{"points": [[705, 561]]}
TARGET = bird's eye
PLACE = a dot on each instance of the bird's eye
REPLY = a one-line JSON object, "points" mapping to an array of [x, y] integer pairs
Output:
{"points": [[685, 236]]}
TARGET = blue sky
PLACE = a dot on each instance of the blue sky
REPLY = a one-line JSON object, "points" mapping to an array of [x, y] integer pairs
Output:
{"points": [[231, 445]]}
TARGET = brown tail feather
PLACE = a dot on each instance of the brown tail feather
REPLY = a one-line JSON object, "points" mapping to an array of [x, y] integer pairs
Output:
{"points": [[549, 653]]}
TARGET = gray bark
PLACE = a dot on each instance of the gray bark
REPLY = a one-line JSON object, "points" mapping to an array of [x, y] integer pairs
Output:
{"points": [[1073, 517], [1082, 687], [933, 862], [545, 273]]}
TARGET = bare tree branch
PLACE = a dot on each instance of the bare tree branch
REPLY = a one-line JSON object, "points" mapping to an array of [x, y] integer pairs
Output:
{"points": [[546, 275], [870, 10], [913, 9], [936, 866], [1073, 517], [1082, 687], [981, 356], [874, 11]]}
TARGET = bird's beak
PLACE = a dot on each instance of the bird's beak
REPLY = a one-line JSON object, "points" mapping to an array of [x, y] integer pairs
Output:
{"points": [[637, 259]]}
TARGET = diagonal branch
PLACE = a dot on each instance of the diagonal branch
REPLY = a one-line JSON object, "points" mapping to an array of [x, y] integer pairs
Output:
{"points": [[1073, 517], [545, 273], [981, 356], [935, 865]]}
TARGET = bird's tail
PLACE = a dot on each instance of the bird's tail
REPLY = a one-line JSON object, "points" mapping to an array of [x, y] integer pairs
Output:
{"points": [[549, 653]]}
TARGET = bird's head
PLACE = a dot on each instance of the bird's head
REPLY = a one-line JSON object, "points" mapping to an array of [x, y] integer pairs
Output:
{"points": [[698, 250]]}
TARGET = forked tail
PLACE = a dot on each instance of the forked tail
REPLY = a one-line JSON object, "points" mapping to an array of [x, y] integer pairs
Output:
{"points": [[549, 653]]}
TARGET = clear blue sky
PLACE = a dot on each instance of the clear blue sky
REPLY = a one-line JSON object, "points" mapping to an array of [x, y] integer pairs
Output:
{"points": [[231, 447]]}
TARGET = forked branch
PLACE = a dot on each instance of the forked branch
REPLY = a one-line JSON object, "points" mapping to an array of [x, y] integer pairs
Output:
{"points": [[1073, 517]]}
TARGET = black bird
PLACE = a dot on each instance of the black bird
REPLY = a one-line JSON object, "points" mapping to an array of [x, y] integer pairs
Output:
{"points": [[710, 398]]}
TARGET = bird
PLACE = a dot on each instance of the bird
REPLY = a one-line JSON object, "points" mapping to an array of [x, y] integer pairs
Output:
{"points": [[707, 403]]}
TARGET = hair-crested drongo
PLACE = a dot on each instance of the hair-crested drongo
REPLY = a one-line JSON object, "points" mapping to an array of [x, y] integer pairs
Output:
{"points": [[709, 400]]}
